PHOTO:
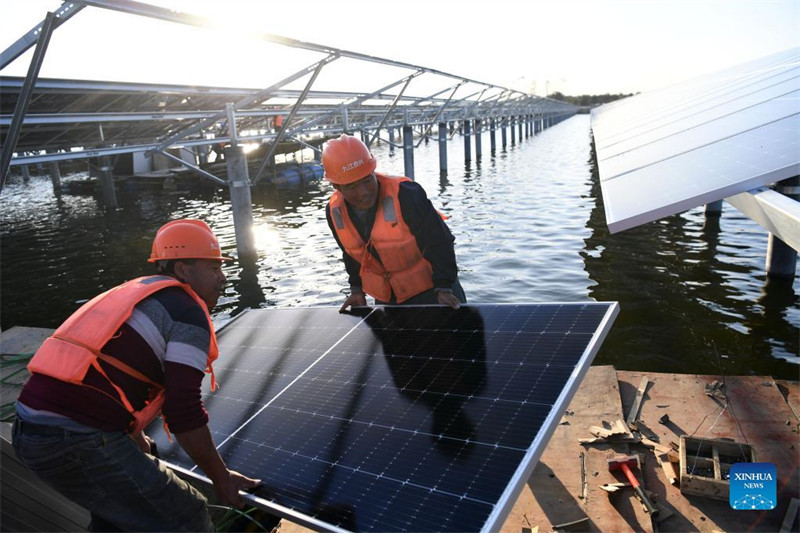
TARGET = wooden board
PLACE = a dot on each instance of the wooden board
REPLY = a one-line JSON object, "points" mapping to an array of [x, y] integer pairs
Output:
{"points": [[762, 415], [555, 493], [22, 339], [28, 504], [16, 346], [789, 391]]}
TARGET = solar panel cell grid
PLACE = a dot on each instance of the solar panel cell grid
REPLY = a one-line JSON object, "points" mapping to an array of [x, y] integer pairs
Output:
{"points": [[394, 419]]}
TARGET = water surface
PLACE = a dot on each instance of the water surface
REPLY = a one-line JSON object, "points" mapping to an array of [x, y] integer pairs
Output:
{"points": [[529, 227]]}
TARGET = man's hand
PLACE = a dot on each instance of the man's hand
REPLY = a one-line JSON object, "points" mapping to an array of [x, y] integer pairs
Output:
{"points": [[357, 299], [227, 488], [227, 483], [142, 440], [448, 298]]}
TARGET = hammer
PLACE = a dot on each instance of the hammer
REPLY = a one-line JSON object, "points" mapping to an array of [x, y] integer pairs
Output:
{"points": [[624, 462]]}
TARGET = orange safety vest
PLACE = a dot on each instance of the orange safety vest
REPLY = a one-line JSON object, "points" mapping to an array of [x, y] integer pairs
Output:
{"points": [[75, 346], [402, 269]]}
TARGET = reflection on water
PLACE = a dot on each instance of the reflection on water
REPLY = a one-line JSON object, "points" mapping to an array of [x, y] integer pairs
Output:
{"points": [[529, 227]]}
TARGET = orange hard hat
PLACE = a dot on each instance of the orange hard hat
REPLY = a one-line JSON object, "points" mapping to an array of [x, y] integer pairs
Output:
{"points": [[347, 160], [186, 238]]}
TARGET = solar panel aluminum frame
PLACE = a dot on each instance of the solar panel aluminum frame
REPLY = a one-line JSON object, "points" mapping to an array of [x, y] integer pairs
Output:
{"points": [[520, 476]]}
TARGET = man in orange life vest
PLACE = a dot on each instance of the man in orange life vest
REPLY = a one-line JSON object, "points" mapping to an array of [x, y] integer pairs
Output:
{"points": [[396, 246], [135, 351]]}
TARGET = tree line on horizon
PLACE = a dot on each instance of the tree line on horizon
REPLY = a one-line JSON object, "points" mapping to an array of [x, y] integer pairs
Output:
{"points": [[588, 99]]}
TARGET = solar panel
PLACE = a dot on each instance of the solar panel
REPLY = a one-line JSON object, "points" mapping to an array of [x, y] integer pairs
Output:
{"points": [[394, 418], [700, 141]]}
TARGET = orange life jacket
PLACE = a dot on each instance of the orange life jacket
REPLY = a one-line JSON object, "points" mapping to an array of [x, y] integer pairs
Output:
{"points": [[75, 346], [402, 269]]}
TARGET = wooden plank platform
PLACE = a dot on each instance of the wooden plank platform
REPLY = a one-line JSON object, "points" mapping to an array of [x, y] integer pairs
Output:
{"points": [[17, 344], [22, 340], [28, 504], [755, 413], [565, 486]]}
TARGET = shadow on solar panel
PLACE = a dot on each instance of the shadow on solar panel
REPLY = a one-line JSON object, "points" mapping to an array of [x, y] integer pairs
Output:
{"points": [[395, 418]]}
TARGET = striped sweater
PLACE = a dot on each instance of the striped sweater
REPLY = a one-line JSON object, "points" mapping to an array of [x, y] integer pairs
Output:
{"points": [[167, 339]]}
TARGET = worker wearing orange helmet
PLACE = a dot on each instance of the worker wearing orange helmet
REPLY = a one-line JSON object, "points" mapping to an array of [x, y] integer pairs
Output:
{"points": [[136, 351], [396, 247]]}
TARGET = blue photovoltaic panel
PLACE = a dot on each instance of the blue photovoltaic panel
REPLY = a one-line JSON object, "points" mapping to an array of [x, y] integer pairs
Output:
{"points": [[395, 418], [666, 151]]}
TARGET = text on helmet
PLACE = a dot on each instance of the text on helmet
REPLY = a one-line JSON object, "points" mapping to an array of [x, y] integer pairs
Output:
{"points": [[354, 164]]}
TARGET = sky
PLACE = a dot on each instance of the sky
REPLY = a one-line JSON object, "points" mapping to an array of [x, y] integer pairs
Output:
{"points": [[536, 46]]}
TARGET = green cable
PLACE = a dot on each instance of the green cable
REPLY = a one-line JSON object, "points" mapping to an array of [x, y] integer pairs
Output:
{"points": [[5, 382], [13, 360], [232, 514], [8, 412]]}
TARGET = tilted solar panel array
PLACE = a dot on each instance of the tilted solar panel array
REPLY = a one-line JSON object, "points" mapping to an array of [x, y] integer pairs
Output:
{"points": [[396, 418], [666, 151]]}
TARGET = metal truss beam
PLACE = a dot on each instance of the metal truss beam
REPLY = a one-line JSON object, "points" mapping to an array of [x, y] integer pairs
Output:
{"points": [[25, 96], [146, 116], [27, 41]]}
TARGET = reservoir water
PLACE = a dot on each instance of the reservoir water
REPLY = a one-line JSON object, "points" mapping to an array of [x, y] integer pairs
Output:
{"points": [[529, 227]]}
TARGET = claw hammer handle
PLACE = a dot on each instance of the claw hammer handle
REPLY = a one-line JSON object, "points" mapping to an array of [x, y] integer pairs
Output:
{"points": [[635, 484]]}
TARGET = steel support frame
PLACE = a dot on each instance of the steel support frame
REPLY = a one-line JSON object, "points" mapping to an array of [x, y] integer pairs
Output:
{"points": [[773, 211], [25, 96], [274, 146], [414, 114], [391, 108], [65, 12], [439, 111], [247, 100]]}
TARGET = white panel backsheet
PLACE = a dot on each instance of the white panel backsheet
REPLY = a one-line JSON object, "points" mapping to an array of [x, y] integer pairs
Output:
{"points": [[663, 152]]}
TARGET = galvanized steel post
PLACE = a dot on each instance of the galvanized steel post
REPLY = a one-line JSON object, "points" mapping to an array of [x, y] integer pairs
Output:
{"points": [[345, 121], [442, 149], [467, 141], [782, 258], [408, 151], [239, 189], [241, 202], [106, 178], [55, 177], [503, 123], [107, 183], [478, 131], [519, 126], [391, 139], [713, 209], [492, 139], [513, 130]]}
